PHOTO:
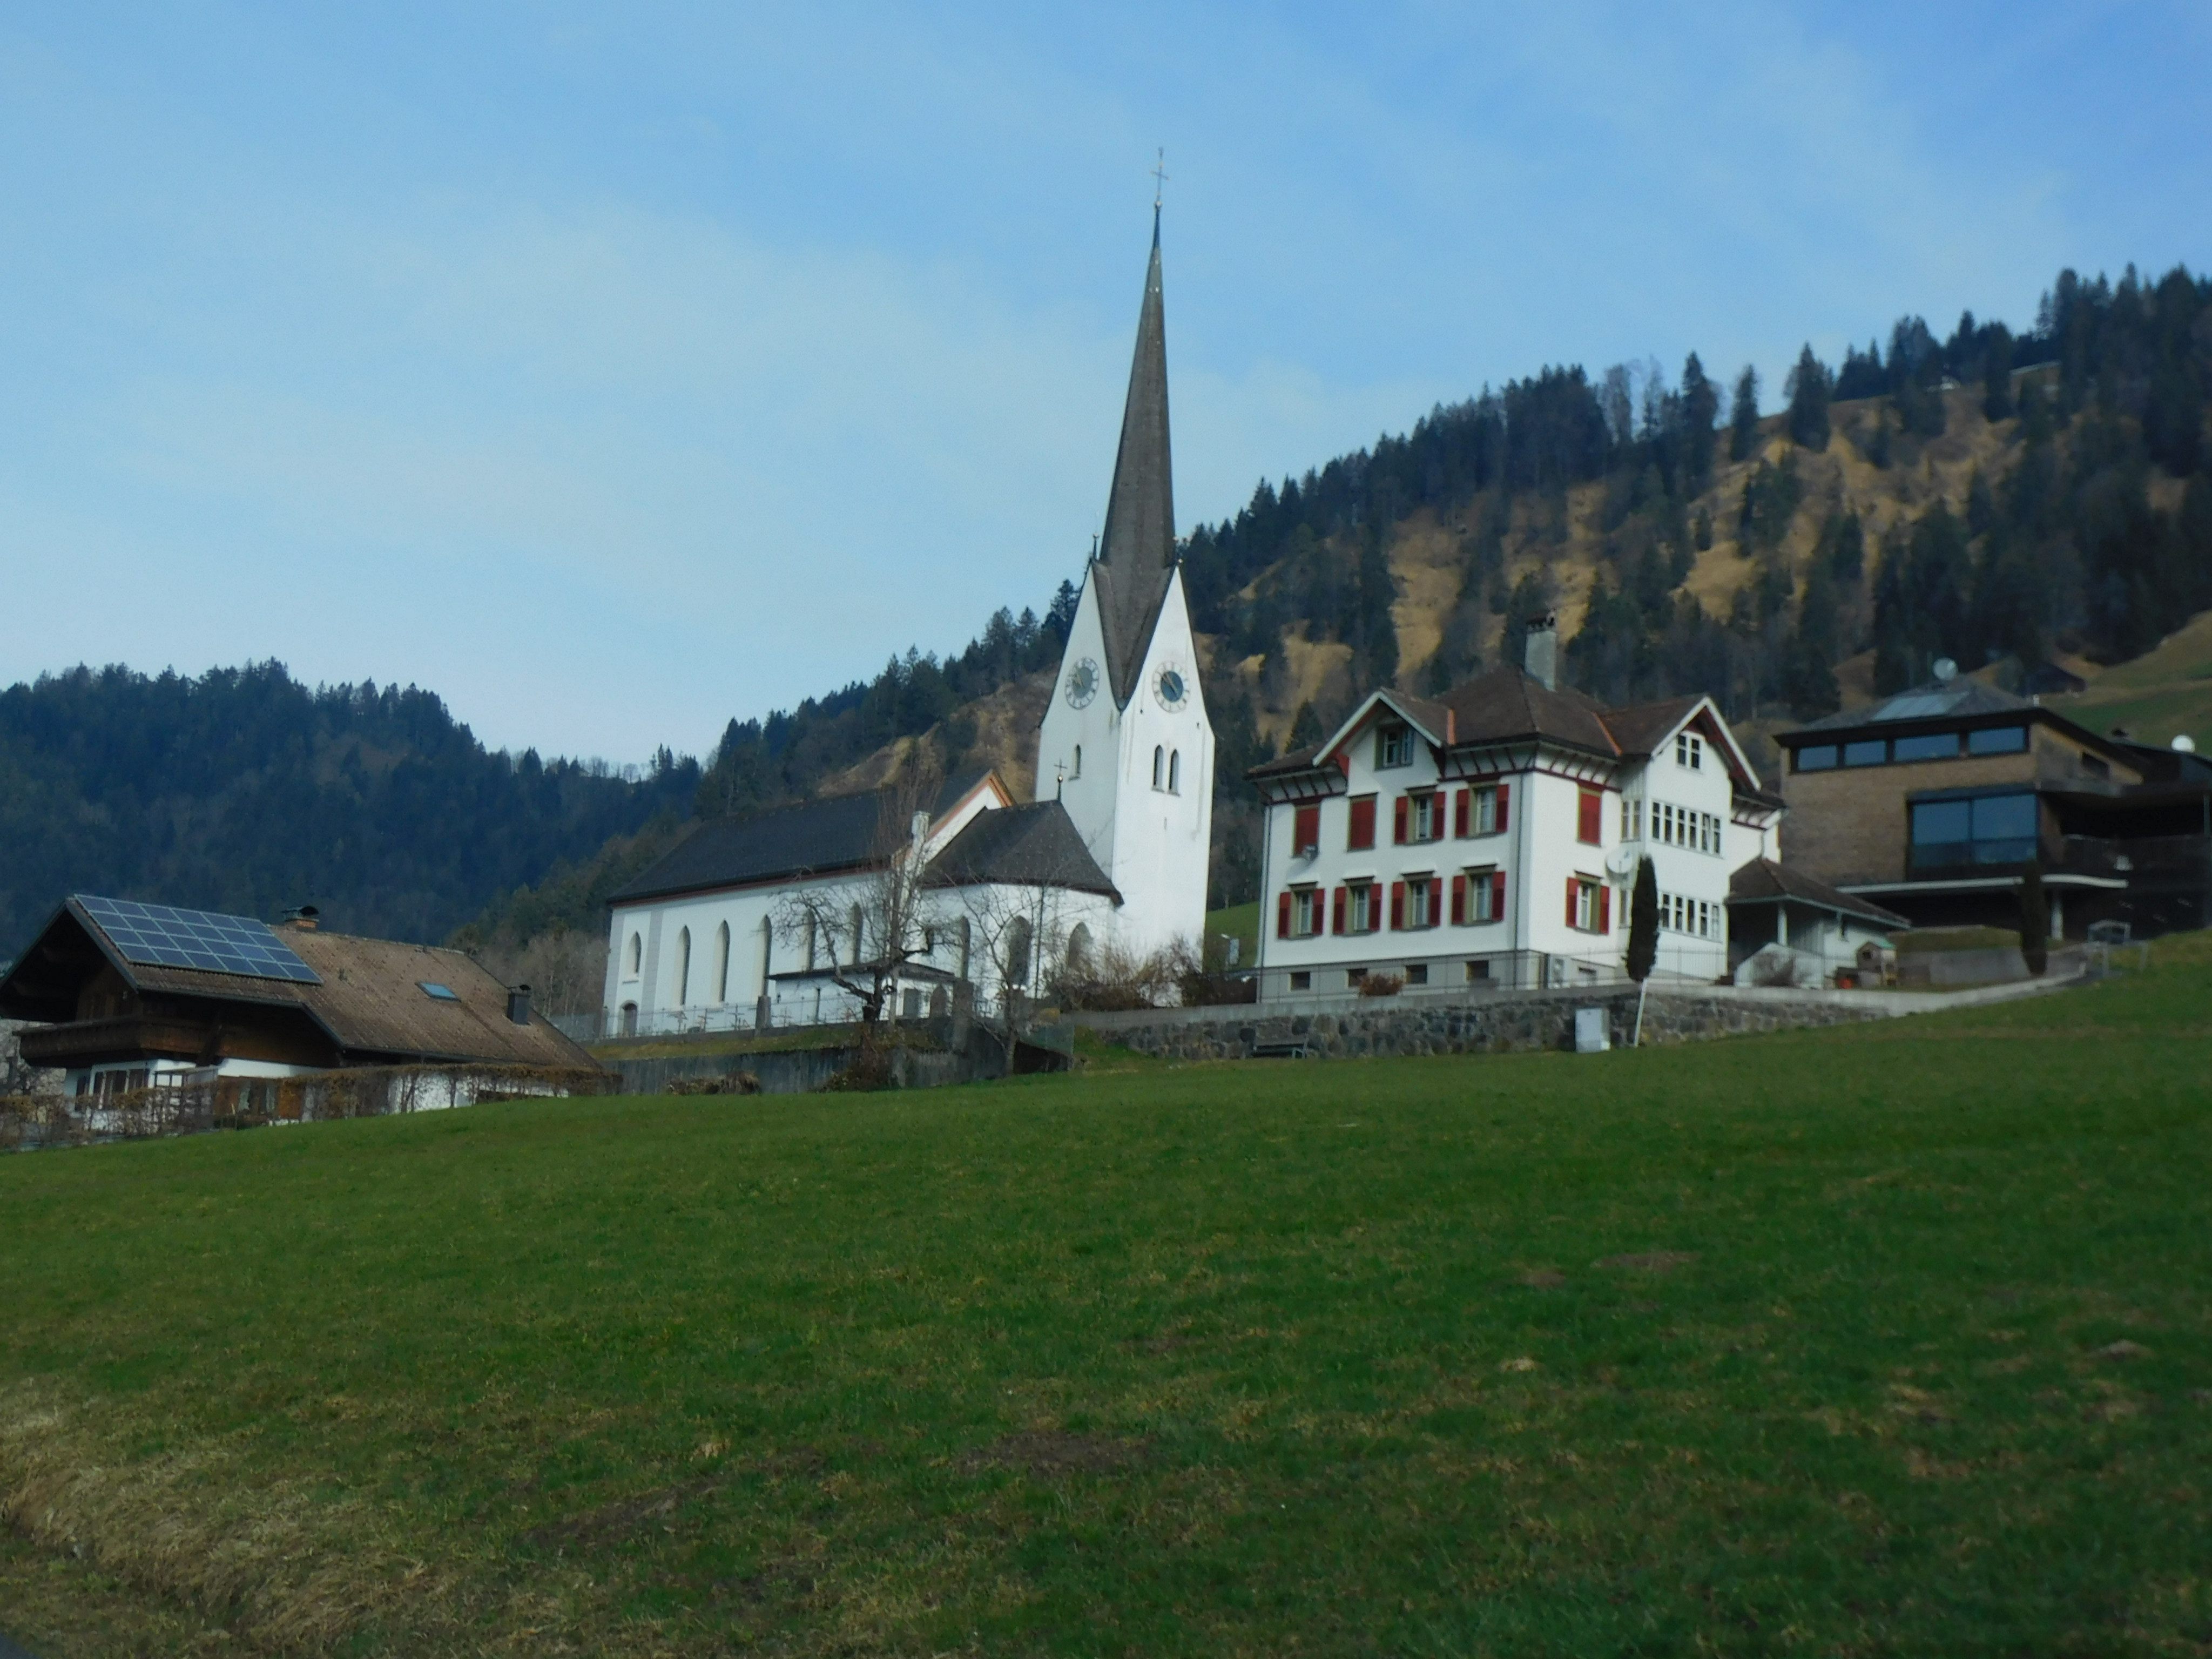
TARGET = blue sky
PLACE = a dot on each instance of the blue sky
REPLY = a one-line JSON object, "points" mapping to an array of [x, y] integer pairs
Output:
{"points": [[613, 371]]}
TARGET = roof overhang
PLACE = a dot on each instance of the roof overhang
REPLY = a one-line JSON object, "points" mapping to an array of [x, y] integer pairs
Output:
{"points": [[1983, 885]]}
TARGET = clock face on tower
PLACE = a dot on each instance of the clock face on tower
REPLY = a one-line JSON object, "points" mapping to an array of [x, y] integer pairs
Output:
{"points": [[1170, 686], [1082, 682]]}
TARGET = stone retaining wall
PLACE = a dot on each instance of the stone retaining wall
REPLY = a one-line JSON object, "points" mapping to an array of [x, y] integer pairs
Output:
{"points": [[1494, 1023]]}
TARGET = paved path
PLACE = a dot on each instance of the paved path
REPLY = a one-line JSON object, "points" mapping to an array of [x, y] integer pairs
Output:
{"points": [[9, 1650]]}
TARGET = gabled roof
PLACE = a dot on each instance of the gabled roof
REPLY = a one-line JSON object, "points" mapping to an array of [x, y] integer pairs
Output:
{"points": [[370, 1001], [822, 836], [1762, 881], [1507, 705], [1137, 553], [1033, 845]]}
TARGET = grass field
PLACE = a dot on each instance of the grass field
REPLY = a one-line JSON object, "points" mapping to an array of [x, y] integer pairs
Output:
{"points": [[2166, 692], [1891, 1340]]}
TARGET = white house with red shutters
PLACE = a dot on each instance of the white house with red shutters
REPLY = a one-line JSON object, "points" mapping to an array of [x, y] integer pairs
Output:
{"points": [[1492, 835]]}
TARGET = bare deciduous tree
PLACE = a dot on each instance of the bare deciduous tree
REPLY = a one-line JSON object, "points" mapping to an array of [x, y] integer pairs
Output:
{"points": [[878, 923], [1018, 938]]}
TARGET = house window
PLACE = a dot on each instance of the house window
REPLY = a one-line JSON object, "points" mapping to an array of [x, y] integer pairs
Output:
{"points": [[1690, 751], [1981, 829], [1305, 831], [1868, 752], [1356, 911], [1631, 819], [910, 1004], [1362, 833], [1478, 973], [1590, 905], [1420, 818], [1479, 895], [1481, 811], [1700, 918], [1417, 973], [1413, 902], [1393, 746], [1820, 757], [1589, 806], [1928, 746], [1298, 913], [1354, 978], [1302, 980], [1997, 740]]}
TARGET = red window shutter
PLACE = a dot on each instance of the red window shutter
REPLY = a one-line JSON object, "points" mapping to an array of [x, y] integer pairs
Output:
{"points": [[1458, 900], [1305, 829], [1498, 896], [1436, 817], [1588, 824], [1571, 884], [1605, 909], [1459, 812], [1505, 793], [1283, 916], [1363, 824], [1397, 904], [1338, 909], [1398, 820]]}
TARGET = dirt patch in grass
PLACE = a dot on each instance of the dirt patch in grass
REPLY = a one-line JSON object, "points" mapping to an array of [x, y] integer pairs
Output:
{"points": [[1543, 1278], [1650, 1262], [626, 1517], [1050, 1455]]}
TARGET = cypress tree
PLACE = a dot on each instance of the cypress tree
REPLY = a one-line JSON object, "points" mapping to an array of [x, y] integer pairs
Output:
{"points": [[1644, 923], [1743, 420], [2034, 920]]}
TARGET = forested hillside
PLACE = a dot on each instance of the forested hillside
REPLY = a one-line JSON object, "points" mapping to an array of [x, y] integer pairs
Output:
{"points": [[2001, 498], [245, 790]]}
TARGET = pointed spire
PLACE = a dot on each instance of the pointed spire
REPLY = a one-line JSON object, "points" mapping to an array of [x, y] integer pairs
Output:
{"points": [[1137, 553]]}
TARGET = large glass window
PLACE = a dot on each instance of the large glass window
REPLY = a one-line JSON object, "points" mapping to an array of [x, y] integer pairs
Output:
{"points": [[1868, 752], [1997, 740], [1816, 758], [1928, 746], [1986, 829]]}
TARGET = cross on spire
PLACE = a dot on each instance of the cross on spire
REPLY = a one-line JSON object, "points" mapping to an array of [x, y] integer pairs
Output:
{"points": [[1159, 177]]}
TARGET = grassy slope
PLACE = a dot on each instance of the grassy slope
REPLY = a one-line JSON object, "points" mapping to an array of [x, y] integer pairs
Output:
{"points": [[1803, 1341], [2167, 689]]}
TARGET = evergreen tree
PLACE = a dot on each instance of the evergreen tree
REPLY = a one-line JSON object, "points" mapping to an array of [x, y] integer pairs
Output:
{"points": [[1810, 384], [1743, 420], [2034, 920], [1700, 409], [1644, 923], [1306, 730], [1996, 374]]}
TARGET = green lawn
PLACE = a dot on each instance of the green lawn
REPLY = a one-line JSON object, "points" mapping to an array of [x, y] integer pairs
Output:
{"points": [[1891, 1340], [1239, 921]]}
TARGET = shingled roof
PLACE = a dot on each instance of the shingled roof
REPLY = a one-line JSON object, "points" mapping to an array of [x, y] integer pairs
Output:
{"points": [[1762, 881], [811, 837], [1136, 554], [1033, 845]]}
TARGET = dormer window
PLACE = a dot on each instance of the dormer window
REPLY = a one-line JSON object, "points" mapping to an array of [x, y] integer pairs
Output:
{"points": [[1690, 751], [1393, 746]]}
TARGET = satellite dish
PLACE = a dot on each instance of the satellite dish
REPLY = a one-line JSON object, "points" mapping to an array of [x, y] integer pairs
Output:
{"points": [[1622, 861], [2183, 743], [1946, 671]]}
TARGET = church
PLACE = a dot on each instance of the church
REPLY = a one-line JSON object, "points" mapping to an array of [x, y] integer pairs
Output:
{"points": [[797, 914]]}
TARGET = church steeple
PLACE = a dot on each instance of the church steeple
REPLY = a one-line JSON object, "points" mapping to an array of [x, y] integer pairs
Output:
{"points": [[1136, 556]]}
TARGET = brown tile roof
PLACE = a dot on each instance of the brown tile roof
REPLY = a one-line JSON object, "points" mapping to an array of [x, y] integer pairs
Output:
{"points": [[1762, 881], [1641, 727], [371, 1000]]}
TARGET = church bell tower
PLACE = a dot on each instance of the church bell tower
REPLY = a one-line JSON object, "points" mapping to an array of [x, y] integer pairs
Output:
{"points": [[1126, 742]]}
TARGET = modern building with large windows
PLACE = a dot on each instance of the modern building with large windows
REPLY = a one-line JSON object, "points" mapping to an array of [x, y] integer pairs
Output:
{"points": [[1934, 801]]}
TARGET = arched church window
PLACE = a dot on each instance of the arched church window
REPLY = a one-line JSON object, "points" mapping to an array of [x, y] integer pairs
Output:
{"points": [[1018, 952], [806, 941], [856, 936], [722, 964], [636, 954], [1079, 949], [967, 939], [1175, 772], [683, 967], [1159, 766]]}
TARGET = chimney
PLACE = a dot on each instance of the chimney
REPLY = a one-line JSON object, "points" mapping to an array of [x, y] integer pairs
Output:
{"points": [[1542, 657], [303, 918], [518, 1005]]}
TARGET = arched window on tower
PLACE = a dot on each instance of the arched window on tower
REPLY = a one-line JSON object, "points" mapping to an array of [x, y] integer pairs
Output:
{"points": [[683, 967], [1159, 767], [1076, 770], [1175, 772], [636, 954], [722, 964]]}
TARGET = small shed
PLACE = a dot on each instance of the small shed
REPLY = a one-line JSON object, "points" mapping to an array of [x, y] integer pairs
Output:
{"points": [[1772, 905]]}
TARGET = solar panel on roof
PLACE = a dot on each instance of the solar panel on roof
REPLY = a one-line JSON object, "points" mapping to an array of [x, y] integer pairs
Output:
{"points": [[161, 936], [1917, 706]]}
